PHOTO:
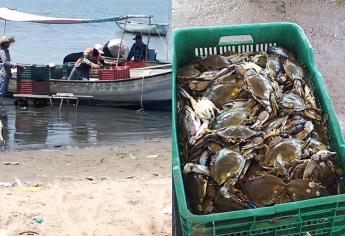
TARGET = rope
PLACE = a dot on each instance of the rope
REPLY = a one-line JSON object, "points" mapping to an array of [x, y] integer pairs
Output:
{"points": [[142, 94], [165, 44]]}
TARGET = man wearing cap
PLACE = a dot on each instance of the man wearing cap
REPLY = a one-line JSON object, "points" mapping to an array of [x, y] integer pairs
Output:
{"points": [[138, 50], [90, 59], [5, 64]]}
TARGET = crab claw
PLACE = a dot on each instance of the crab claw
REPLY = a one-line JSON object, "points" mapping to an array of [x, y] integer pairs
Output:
{"points": [[297, 85], [308, 128], [202, 130], [262, 118], [323, 155], [256, 141], [312, 114], [196, 168]]}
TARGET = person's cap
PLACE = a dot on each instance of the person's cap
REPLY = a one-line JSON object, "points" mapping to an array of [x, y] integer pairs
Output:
{"points": [[138, 36], [99, 47], [5, 39]]}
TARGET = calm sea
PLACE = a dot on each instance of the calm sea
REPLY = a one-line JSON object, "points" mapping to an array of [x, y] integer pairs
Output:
{"points": [[44, 44], [35, 128]]}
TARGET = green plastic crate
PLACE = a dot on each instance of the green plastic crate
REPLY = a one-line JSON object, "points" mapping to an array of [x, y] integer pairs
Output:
{"points": [[34, 72], [67, 68], [318, 216], [56, 72]]}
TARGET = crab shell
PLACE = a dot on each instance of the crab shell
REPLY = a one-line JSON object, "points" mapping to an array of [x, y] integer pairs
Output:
{"points": [[236, 133], [222, 93], [228, 166], [263, 190], [292, 70], [196, 185], [293, 102], [211, 62], [283, 152], [232, 117], [260, 87], [188, 72], [227, 200], [302, 189]]}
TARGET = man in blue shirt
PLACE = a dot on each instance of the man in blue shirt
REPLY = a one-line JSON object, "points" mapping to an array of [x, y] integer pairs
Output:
{"points": [[139, 50]]}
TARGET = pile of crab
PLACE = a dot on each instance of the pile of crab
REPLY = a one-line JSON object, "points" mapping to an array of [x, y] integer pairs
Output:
{"points": [[251, 133]]}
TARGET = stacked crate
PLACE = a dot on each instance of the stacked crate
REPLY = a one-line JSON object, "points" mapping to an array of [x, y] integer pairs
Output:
{"points": [[67, 69], [56, 72], [135, 64], [33, 79], [115, 73]]}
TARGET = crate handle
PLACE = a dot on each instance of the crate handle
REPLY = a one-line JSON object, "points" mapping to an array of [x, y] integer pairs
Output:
{"points": [[235, 39]]}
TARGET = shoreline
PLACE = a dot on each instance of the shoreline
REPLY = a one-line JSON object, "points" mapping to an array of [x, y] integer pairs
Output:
{"points": [[94, 190]]}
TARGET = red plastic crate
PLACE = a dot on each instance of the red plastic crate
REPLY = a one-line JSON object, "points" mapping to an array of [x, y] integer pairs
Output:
{"points": [[33, 87], [135, 64], [115, 73]]}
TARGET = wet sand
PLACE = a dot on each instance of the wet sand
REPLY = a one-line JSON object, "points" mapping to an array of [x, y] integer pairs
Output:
{"points": [[322, 20], [123, 189]]}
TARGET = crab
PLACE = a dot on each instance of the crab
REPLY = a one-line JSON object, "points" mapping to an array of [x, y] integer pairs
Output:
{"points": [[198, 85], [208, 143], [275, 126], [312, 146], [196, 168], [236, 116], [279, 51], [292, 102], [260, 59], [282, 153], [296, 74], [228, 166], [273, 66], [188, 72], [236, 134], [189, 124], [230, 199], [299, 127], [196, 185], [302, 189], [264, 190], [321, 168], [263, 91], [203, 107], [222, 93], [213, 62]]}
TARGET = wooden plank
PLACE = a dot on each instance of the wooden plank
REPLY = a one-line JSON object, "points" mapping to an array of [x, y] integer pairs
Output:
{"points": [[31, 96]]}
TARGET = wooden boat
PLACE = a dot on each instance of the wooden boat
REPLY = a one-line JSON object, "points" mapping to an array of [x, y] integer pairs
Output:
{"points": [[137, 27], [147, 86]]}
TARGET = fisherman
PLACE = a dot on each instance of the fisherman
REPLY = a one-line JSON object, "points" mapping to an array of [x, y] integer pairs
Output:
{"points": [[114, 48], [138, 50], [5, 64], [91, 59]]}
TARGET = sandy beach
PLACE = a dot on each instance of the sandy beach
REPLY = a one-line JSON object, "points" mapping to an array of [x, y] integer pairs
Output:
{"points": [[123, 189]]}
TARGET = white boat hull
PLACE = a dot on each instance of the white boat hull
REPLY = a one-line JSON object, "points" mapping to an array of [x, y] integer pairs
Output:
{"points": [[154, 88], [154, 29]]}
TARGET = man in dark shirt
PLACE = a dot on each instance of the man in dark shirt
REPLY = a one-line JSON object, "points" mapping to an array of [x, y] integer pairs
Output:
{"points": [[91, 59], [139, 50]]}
